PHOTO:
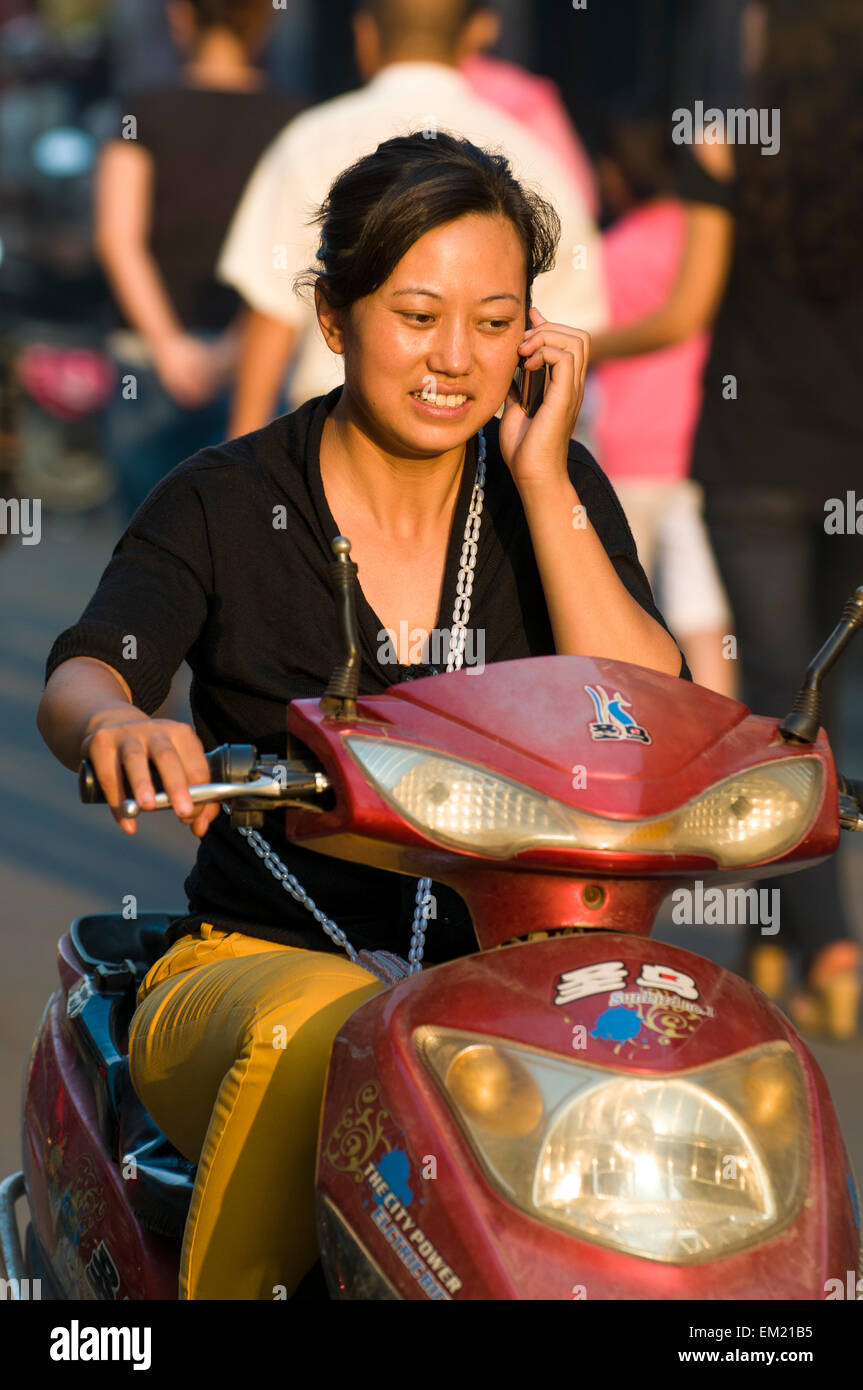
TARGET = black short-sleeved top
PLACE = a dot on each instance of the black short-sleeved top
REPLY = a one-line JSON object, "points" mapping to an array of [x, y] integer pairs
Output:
{"points": [[791, 418], [204, 144], [203, 574]]}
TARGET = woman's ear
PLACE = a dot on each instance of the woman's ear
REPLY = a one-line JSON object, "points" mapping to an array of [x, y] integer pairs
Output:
{"points": [[330, 319]]}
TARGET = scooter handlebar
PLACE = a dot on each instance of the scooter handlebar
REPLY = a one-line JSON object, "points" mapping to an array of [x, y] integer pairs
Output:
{"points": [[237, 771], [230, 762], [850, 803]]}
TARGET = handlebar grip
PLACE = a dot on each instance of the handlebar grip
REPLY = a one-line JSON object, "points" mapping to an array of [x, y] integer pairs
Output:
{"points": [[853, 788], [230, 762], [90, 790]]}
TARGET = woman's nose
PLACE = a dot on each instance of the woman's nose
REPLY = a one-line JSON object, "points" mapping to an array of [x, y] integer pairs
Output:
{"points": [[451, 353]]}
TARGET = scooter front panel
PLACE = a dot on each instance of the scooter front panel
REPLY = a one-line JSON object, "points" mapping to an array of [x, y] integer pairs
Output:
{"points": [[405, 1175]]}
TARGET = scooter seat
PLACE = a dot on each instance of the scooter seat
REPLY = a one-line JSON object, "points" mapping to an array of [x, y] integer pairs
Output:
{"points": [[110, 939], [116, 953]]}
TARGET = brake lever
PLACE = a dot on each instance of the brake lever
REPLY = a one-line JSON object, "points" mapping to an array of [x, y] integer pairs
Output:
{"points": [[270, 788]]}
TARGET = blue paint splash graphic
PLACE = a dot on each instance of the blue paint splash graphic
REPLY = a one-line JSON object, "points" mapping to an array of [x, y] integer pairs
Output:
{"points": [[395, 1169], [617, 1025]]}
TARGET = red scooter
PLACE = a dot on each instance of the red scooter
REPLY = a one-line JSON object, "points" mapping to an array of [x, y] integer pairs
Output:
{"points": [[572, 1112]]}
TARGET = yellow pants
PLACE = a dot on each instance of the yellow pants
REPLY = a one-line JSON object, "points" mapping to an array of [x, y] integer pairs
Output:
{"points": [[228, 1050]]}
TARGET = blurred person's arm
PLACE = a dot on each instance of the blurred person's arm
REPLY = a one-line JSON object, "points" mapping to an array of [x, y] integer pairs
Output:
{"points": [[573, 292], [268, 242], [265, 349], [695, 296], [123, 197], [225, 349]]}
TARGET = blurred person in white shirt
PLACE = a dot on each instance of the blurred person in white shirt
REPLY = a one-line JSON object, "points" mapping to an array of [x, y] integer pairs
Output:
{"points": [[408, 51]]}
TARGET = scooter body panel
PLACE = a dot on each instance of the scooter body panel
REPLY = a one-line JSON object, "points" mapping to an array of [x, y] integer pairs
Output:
{"points": [[96, 1247], [534, 725], [400, 1170], [534, 721]]}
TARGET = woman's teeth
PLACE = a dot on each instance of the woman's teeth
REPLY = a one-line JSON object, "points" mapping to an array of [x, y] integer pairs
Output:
{"points": [[440, 401]]}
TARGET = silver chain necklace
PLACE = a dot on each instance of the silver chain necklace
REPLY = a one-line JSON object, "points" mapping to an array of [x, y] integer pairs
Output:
{"points": [[455, 659]]}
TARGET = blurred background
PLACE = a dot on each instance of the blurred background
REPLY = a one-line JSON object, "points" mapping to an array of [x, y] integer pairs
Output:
{"points": [[614, 74]]}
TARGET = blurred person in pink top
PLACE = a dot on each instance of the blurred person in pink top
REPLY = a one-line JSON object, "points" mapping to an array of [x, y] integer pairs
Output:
{"points": [[535, 101], [648, 406]]}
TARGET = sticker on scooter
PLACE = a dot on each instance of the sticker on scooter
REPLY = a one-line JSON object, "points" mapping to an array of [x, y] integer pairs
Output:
{"points": [[601, 978], [660, 1006], [395, 1169], [388, 1180], [617, 1025], [609, 976], [359, 1134], [613, 720], [102, 1272], [637, 1027]]}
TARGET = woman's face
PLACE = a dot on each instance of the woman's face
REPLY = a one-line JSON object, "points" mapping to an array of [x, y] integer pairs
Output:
{"points": [[430, 355]]}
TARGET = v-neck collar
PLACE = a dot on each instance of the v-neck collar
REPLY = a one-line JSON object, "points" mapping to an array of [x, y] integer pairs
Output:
{"points": [[368, 621]]}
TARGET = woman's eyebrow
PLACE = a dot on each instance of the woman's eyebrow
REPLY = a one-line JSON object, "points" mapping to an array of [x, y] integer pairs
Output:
{"points": [[431, 294]]}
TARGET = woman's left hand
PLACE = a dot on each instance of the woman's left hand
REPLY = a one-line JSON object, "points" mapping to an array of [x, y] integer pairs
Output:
{"points": [[536, 449]]}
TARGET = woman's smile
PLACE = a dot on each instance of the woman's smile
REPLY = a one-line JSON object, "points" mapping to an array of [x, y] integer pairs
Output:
{"points": [[442, 405]]}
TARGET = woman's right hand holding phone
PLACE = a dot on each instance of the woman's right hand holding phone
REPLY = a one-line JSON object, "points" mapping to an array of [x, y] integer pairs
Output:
{"points": [[128, 741]]}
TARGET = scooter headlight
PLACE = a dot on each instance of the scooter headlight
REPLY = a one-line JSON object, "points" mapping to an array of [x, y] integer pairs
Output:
{"points": [[681, 1169], [459, 803], [755, 814]]}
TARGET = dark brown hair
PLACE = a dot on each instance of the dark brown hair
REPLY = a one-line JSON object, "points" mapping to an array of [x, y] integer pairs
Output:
{"points": [[377, 208]]}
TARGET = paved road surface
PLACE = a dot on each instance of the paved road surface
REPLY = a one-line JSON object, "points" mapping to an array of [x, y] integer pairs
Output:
{"points": [[59, 859]]}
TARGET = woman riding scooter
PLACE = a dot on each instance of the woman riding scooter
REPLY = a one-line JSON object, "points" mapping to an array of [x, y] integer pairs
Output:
{"points": [[504, 532]]}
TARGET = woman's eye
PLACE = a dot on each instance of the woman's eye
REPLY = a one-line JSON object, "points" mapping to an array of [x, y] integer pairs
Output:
{"points": [[421, 319]]}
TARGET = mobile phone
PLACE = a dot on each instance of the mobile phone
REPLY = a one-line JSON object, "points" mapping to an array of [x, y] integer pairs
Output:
{"points": [[530, 386]]}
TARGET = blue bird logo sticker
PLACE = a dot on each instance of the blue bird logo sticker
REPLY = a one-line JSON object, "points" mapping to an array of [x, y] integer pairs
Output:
{"points": [[613, 720]]}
